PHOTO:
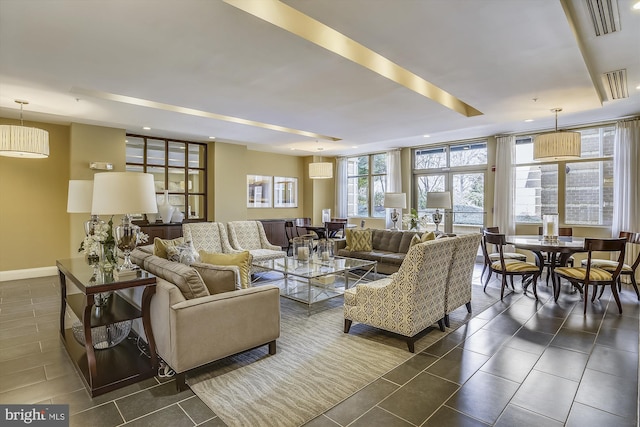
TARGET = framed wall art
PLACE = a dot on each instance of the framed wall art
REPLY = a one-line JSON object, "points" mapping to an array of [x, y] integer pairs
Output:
{"points": [[259, 191], [285, 192]]}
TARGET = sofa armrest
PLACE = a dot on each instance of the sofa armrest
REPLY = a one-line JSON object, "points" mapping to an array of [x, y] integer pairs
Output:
{"points": [[215, 326], [372, 290], [340, 244], [219, 278]]}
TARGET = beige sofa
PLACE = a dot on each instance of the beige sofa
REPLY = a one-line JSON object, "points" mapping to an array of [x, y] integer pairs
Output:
{"points": [[199, 314]]}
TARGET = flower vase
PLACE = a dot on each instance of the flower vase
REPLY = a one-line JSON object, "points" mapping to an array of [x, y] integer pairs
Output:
{"points": [[165, 210], [108, 257]]}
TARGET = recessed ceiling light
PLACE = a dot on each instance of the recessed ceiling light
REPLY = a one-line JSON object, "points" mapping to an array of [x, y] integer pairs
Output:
{"points": [[212, 137], [529, 120], [146, 128], [638, 87], [637, 5], [354, 146], [292, 149], [426, 136]]}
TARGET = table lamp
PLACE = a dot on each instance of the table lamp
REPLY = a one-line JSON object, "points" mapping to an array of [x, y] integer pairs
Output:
{"points": [[395, 201], [124, 193], [79, 200], [438, 200]]}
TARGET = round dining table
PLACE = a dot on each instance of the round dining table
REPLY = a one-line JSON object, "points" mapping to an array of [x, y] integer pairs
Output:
{"points": [[559, 252]]}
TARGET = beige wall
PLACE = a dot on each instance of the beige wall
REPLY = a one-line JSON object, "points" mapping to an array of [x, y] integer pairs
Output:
{"points": [[92, 144], [34, 222]]}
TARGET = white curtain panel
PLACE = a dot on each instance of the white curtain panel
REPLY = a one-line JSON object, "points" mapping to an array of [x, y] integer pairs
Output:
{"points": [[504, 195], [394, 181], [626, 178], [341, 187]]}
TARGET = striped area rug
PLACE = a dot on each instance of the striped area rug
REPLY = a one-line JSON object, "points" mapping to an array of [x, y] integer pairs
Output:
{"points": [[316, 366]]}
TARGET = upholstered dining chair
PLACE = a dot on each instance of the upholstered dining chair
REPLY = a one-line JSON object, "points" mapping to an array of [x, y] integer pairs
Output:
{"points": [[582, 277], [491, 257], [564, 232], [335, 229], [627, 269], [510, 267], [290, 231]]}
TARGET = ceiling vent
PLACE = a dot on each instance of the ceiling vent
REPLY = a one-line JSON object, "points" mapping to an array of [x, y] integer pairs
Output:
{"points": [[604, 15], [615, 82]]}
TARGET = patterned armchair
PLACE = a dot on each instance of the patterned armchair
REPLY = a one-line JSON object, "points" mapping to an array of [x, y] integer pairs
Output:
{"points": [[409, 301], [208, 236], [458, 290], [250, 236]]}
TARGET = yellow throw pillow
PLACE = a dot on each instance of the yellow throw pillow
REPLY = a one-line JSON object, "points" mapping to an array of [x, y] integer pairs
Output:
{"points": [[425, 238], [361, 241], [347, 238], [160, 246], [241, 259]]}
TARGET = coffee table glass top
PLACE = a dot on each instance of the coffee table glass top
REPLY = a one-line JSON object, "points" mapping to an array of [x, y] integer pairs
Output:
{"points": [[315, 267]]}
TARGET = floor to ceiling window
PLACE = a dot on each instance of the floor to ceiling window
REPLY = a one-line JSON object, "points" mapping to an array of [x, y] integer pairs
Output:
{"points": [[179, 167], [582, 195], [459, 168], [366, 184]]}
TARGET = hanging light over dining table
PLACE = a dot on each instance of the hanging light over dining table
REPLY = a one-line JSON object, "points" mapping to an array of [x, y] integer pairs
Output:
{"points": [[557, 145]]}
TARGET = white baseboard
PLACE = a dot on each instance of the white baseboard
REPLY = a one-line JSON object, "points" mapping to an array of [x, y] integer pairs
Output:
{"points": [[28, 273]]}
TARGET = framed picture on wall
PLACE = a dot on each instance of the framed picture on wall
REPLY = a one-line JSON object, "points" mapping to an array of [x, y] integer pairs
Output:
{"points": [[285, 192], [259, 191]]}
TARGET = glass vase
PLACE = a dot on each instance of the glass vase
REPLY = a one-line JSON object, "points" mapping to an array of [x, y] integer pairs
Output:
{"points": [[302, 248]]}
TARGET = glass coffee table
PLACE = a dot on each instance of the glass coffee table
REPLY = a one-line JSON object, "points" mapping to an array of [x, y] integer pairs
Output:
{"points": [[315, 280]]}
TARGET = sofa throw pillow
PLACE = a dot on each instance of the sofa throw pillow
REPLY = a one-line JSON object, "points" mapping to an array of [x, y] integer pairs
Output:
{"points": [[160, 245], [241, 259], [425, 238], [361, 240], [184, 253]]}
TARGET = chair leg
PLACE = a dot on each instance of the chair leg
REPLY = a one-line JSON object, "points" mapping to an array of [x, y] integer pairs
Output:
{"points": [[504, 285], [446, 320], [635, 285], [468, 305], [595, 288], [511, 280], [535, 286], [181, 385], [441, 324], [347, 325], [411, 344], [486, 282], [614, 291], [484, 268], [586, 296], [272, 347]]}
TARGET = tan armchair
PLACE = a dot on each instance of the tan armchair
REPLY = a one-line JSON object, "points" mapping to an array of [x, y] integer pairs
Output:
{"points": [[250, 236], [198, 314], [409, 301]]}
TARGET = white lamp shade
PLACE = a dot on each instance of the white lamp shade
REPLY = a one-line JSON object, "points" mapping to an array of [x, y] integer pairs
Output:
{"points": [[439, 200], [557, 146], [123, 193], [395, 200], [80, 196], [21, 141], [321, 170]]}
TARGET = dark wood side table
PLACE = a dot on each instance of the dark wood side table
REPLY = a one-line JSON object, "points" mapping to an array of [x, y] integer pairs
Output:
{"points": [[112, 368]]}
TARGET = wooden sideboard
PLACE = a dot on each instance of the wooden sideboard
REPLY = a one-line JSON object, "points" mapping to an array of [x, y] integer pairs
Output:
{"points": [[275, 231], [163, 231]]}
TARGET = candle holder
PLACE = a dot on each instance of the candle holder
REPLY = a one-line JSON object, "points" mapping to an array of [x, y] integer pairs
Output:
{"points": [[302, 248], [550, 227], [326, 249]]}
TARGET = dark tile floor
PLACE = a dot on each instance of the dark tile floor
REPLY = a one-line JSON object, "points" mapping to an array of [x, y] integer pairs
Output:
{"points": [[517, 363]]}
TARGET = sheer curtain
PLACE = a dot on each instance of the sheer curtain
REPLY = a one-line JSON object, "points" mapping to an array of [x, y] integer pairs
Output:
{"points": [[626, 178], [504, 194], [394, 181], [341, 187]]}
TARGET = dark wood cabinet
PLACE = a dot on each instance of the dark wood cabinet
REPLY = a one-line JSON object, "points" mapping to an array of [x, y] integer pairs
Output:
{"points": [[163, 231], [274, 229]]}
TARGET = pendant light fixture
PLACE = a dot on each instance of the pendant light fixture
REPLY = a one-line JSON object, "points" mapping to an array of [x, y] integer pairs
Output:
{"points": [[320, 170], [558, 145], [21, 141]]}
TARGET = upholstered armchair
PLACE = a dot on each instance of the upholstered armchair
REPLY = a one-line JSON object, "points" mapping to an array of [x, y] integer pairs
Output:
{"points": [[458, 290], [208, 236], [250, 236], [409, 301]]}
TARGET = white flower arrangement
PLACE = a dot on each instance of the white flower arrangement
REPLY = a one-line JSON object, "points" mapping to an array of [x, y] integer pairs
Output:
{"points": [[413, 221], [91, 243]]}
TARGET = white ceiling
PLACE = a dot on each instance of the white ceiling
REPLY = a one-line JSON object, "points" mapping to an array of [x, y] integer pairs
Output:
{"points": [[510, 59]]}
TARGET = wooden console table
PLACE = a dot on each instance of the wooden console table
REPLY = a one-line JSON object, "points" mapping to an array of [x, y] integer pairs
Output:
{"points": [[112, 368]]}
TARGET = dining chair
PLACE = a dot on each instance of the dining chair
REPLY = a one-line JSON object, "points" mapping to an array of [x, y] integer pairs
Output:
{"points": [[564, 232], [510, 267], [490, 257], [335, 229], [290, 231], [582, 277], [627, 270]]}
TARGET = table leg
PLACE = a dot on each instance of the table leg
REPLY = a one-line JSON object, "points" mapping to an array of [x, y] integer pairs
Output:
{"points": [[63, 301], [148, 293], [88, 339]]}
